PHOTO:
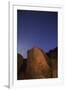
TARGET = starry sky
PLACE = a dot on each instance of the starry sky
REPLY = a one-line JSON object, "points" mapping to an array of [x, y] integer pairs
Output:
{"points": [[36, 29]]}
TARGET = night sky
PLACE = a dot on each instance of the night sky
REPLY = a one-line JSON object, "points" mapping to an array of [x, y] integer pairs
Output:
{"points": [[36, 29]]}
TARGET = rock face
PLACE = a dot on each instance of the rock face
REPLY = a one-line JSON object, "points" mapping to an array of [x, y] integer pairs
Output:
{"points": [[53, 58], [37, 66], [54, 68], [19, 62], [21, 66]]}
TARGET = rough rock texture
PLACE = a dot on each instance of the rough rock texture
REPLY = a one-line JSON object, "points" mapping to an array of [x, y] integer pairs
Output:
{"points": [[37, 66]]}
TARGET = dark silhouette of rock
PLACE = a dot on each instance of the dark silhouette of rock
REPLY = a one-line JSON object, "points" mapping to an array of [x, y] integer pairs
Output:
{"points": [[53, 60], [21, 66], [19, 61], [37, 66], [53, 53]]}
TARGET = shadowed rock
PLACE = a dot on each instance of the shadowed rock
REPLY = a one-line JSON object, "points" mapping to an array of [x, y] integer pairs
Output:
{"points": [[37, 66], [19, 62], [53, 58], [21, 67]]}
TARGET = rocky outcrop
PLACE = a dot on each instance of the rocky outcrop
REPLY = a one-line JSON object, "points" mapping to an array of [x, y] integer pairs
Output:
{"points": [[53, 58], [19, 62], [37, 66], [21, 67]]}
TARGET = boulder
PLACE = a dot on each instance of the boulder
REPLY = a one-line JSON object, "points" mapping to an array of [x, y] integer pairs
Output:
{"points": [[37, 66]]}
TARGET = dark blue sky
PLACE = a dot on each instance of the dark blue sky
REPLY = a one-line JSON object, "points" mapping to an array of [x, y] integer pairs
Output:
{"points": [[36, 29]]}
